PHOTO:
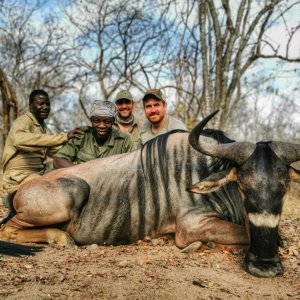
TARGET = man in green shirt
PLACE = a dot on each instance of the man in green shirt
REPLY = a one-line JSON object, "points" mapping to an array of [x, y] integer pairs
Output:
{"points": [[125, 119], [100, 140], [155, 108], [30, 142]]}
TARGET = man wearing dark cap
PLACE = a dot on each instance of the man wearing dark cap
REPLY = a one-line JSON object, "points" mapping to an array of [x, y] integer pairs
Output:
{"points": [[100, 140], [125, 119], [155, 108]]}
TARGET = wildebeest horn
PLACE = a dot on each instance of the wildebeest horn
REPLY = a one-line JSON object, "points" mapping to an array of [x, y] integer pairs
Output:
{"points": [[287, 152], [238, 152]]}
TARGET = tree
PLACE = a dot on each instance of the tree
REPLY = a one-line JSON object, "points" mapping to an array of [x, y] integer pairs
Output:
{"points": [[9, 101], [231, 36], [200, 52], [113, 43], [274, 118], [34, 55]]}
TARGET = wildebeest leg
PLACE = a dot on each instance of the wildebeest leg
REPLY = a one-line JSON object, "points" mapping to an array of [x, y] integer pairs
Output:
{"points": [[21, 232], [196, 226], [46, 203]]}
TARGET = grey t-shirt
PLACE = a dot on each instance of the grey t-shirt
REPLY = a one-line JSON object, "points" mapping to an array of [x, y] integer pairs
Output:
{"points": [[146, 133]]}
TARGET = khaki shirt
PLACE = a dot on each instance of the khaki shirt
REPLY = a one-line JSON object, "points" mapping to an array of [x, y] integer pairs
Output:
{"points": [[86, 148], [26, 149], [134, 131], [171, 124]]}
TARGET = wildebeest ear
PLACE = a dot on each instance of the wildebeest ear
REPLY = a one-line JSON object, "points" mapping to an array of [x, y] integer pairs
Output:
{"points": [[214, 181], [294, 174]]}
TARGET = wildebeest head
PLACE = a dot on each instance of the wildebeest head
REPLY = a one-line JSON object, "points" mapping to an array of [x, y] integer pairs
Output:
{"points": [[263, 173]]}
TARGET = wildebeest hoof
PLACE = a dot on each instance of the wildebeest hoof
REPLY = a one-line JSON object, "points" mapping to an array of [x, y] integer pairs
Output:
{"points": [[211, 245], [70, 245], [192, 247], [51, 244], [66, 244], [263, 267]]}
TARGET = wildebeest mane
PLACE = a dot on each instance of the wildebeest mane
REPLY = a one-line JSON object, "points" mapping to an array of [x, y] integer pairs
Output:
{"points": [[159, 144], [226, 201], [221, 137], [155, 169]]}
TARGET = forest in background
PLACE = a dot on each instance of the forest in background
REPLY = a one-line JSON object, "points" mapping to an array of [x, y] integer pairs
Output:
{"points": [[241, 57]]}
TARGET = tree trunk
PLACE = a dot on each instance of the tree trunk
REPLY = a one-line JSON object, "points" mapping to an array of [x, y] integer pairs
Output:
{"points": [[9, 102]]}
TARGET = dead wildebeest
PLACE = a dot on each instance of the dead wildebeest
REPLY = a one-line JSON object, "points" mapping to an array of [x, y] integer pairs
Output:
{"points": [[123, 198]]}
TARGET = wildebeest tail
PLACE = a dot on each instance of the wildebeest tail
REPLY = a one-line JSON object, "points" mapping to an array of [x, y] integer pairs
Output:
{"points": [[11, 209], [11, 249]]}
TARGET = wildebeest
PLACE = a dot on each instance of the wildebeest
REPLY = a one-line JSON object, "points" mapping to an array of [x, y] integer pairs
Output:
{"points": [[123, 198]]}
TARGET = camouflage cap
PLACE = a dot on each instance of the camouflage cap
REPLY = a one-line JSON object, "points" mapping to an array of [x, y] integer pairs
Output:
{"points": [[103, 109], [124, 95], [155, 93]]}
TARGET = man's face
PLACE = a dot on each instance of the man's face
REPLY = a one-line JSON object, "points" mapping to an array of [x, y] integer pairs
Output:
{"points": [[102, 127], [155, 110], [40, 107], [125, 108]]}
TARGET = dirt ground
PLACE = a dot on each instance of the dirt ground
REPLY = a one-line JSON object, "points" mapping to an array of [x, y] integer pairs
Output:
{"points": [[152, 270]]}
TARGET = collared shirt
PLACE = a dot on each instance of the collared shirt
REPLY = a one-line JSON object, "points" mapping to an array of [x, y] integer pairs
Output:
{"points": [[86, 148], [26, 149], [171, 124], [134, 130]]}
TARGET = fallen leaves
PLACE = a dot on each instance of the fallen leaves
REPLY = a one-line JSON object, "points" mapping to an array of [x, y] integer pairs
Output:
{"points": [[28, 266], [293, 250], [202, 283]]}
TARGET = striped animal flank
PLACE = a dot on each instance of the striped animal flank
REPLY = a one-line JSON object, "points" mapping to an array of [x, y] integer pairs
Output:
{"points": [[141, 198], [157, 166], [119, 228]]}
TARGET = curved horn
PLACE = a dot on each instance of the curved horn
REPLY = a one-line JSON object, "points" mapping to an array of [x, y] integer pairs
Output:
{"points": [[287, 152], [238, 152]]}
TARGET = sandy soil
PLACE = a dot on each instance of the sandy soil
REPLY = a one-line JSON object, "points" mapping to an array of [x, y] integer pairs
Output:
{"points": [[151, 270]]}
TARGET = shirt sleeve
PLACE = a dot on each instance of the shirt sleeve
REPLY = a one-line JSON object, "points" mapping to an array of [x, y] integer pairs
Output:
{"points": [[25, 140], [177, 124], [51, 152], [129, 144], [69, 151]]}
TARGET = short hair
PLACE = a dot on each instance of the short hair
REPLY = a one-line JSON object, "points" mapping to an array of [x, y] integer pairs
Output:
{"points": [[35, 93]]}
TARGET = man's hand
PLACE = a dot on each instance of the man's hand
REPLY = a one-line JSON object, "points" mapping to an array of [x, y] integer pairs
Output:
{"points": [[76, 133], [61, 163]]}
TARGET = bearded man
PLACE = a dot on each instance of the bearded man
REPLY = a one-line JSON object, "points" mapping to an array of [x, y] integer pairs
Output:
{"points": [[155, 108]]}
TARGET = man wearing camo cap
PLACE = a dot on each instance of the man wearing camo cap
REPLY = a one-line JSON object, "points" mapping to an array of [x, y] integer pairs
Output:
{"points": [[125, 120], [155, 108], [99, 140]]}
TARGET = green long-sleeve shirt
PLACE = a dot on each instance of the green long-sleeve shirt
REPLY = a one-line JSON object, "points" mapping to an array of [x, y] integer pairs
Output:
{"points": [[86, 148]]}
